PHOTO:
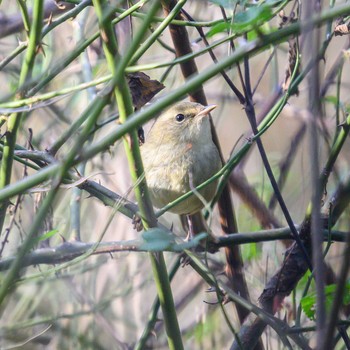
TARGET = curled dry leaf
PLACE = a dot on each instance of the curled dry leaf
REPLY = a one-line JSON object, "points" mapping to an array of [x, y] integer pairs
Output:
{"points": [[142, 88]]}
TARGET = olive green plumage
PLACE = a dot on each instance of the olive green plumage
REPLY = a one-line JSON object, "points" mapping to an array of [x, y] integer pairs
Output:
{"points": [[179, 154]]}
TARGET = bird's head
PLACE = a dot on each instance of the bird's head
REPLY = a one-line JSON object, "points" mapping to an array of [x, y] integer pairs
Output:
{"points": [[183, 122]]}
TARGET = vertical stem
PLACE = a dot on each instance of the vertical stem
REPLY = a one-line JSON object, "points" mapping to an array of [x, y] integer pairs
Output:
{"points": [[92, 114], [125, 107], [14, 119], [152, 319], [25, 16], [338, 299], [76, 195], [12, 274], [312, 43]]}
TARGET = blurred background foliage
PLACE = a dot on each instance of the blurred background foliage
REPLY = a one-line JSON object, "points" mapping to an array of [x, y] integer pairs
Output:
{"points": [[103, 301]]}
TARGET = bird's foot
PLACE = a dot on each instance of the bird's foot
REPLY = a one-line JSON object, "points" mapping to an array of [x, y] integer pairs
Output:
{"points": [[185, 259], [137, 223]]}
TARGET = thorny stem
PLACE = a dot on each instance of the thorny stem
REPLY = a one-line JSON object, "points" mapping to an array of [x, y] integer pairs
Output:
{"points": [[123, 98], [14, 119]]}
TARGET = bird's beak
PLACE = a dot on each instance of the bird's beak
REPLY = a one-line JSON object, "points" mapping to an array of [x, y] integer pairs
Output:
{"points": [[207, 109]]}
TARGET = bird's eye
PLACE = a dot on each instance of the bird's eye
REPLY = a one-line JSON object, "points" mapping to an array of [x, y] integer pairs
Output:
{"points": [[180, 117]]}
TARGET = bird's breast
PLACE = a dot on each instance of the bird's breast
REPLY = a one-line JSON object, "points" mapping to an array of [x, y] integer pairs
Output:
{"points": [[171, 173]]}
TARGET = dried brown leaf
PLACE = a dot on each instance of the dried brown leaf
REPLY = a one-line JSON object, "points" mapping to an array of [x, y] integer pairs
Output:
{"points": [[142, 88]]}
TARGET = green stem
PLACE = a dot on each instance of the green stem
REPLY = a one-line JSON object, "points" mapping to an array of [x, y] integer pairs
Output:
{"points": [[6, 106], [150, 111], [20, 48], [15, 118], [72, 13], [153, 315], [335, 150], [81, 48], [60, 171], [125, 107], [152, 38], [177, 21], [13, 272], [25, 16], [76, 195]]}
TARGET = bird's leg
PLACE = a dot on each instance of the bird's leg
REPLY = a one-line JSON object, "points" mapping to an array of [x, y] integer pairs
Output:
{"points": [[185, 259], [190, 232]]}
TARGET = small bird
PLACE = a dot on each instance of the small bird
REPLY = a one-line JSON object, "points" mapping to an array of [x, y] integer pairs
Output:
{"points": [[179, 154]]}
